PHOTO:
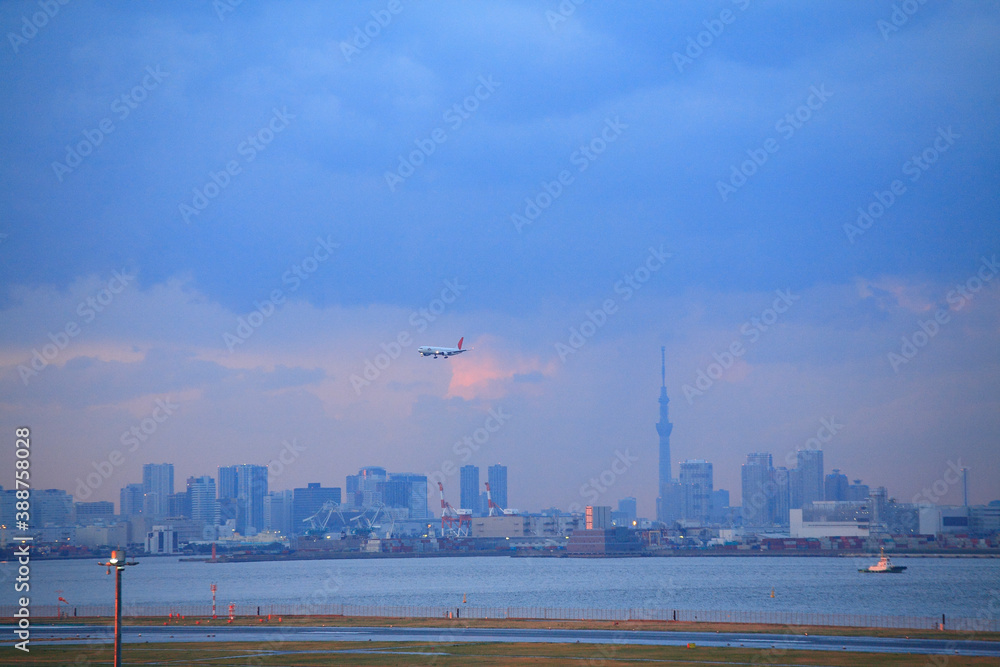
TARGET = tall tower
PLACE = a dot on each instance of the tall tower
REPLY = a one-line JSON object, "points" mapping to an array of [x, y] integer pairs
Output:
{"points": [[664, 427], [668, 503]]}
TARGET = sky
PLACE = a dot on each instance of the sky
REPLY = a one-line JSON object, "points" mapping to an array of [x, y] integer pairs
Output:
{"points": [[226, 227]]}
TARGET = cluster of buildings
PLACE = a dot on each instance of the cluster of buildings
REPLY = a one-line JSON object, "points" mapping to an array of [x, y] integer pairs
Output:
{"points": [[801, 501], [234, 506], [376, 509]]}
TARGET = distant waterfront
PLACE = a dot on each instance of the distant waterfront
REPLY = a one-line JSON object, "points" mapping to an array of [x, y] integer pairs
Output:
{"points": [[930, 586]]}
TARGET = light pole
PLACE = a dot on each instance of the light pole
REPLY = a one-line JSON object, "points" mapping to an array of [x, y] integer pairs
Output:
{"points": [[118, 562]]}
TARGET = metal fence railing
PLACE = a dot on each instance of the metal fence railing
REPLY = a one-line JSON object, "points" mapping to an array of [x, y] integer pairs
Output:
{"points": [[794, 618]]}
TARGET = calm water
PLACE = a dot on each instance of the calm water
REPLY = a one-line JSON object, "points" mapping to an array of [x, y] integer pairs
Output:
{"points": [[931, 586]]}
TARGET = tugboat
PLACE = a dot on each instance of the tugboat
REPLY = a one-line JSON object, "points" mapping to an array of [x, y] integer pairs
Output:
{"points": [[883, 565]]}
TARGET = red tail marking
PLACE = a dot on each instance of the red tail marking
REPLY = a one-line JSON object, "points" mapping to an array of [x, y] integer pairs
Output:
{"points": [[460, 342]]}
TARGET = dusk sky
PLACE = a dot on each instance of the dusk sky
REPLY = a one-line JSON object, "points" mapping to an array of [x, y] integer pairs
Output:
{"points": [[227, 226]]}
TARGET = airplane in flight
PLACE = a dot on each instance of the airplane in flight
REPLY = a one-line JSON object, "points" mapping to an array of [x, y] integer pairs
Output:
{"points": [[430, 350]]}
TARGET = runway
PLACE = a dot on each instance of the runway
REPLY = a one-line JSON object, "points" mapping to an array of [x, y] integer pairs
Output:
{"points": [[93, 634]]}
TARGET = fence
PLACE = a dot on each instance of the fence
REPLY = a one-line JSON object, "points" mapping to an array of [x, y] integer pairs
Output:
{"points": [[531, 613]]}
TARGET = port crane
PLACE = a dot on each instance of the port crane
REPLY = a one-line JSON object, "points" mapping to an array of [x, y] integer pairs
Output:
{"points": [[454, 522], [330, 508], [368, 518], [494, 509]]}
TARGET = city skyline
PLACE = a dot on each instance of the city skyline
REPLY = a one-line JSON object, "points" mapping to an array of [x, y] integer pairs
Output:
{"points": [[690, 496], [225, 240], [695, 490]]}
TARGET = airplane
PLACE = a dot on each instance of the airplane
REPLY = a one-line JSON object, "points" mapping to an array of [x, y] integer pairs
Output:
{"points": [[430, 350]]}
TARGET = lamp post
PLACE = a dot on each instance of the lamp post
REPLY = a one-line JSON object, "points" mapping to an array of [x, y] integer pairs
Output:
{"points": [[118, 562]]}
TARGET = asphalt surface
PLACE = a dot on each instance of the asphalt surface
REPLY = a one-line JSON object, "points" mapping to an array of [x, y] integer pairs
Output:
{"points": [[95, 634]]}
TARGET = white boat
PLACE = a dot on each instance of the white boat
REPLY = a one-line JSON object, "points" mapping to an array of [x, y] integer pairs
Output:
{"points": [[884, 565]]}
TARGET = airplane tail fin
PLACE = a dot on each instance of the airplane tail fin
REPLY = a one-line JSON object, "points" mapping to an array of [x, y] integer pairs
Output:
{"points": [[460, 342]]}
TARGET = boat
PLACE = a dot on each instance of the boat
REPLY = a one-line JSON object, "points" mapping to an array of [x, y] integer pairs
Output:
{"points": [[884, 565]]}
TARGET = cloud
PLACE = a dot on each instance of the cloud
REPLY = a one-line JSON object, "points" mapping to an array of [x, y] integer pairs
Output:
{"points": [[324, 177]]}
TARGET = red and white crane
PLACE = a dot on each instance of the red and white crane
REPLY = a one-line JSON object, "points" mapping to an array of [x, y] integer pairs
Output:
{"points": [[494, 509], [454, 522]]}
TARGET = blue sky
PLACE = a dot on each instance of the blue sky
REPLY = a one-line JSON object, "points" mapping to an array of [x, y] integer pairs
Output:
{"points": [[609, 120]]}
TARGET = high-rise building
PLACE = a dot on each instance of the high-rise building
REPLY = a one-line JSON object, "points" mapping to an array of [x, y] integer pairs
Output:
{"points": [[721, 511], [408, 490], [781, 506], [179, 505], [696, 487], [204, 505], [307, 501], [51, 507], [808, 482], [668, 494], [101, 511], [858, 491], [597, 517], [497, 476], [228, 483], [670, 504], [248, 501], [278, 507], [879, 503], [469, 487], [130, 501], [628, 508], [758, 490], [367, 488], [835, 487], [157, 487], [252, 487], [8, 507]]}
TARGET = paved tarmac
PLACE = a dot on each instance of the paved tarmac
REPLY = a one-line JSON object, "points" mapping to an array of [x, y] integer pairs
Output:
{"points": [[92, 634]]}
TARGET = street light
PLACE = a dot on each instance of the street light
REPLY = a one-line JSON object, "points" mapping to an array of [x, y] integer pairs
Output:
{"points": [[118, 562]]}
